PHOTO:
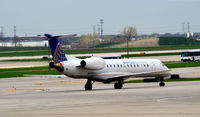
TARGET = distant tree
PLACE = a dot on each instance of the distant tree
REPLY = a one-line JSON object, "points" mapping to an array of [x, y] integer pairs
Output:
{"points": [[89, 40], [129, 32]]}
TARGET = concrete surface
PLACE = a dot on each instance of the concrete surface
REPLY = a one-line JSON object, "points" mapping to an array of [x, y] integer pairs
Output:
{"points": [[64, 97], [163, 58], [22, 64], [188, 72]]}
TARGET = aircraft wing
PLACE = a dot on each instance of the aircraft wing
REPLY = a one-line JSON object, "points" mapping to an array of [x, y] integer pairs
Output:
{"points": [[53, 76], [115, 76]]}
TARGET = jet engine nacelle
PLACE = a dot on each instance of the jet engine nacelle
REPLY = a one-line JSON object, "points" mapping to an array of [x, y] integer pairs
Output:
{"points": [[93, 63]]}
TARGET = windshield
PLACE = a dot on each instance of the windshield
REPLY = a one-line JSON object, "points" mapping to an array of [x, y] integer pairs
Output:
{"points": [[185, 54]]}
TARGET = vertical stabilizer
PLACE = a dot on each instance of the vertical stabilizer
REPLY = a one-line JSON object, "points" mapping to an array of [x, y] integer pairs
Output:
{"points": [[56, 49]]}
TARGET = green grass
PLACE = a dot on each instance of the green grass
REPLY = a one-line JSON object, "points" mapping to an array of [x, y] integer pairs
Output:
{"points": [[146, 55], [183, 79], [21, 48], [24, 60], [168, 80], [177, 41], [35, 60], [98, 50], [183, 64], [20, 72], [24, 69]]}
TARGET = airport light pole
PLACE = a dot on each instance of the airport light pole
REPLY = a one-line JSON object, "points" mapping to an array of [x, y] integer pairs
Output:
{"points": [[128, 37]]}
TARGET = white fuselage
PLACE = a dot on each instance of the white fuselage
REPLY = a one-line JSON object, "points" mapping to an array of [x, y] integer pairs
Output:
{"points": [[117, 68]]}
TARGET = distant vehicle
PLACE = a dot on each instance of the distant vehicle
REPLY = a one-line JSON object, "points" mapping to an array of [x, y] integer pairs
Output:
{"points": [[104, 70], [190, 55]]}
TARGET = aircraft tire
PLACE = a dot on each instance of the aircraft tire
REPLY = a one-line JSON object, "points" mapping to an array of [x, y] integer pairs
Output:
{"points": [[88, 86], [162, 84], [118, 86]]}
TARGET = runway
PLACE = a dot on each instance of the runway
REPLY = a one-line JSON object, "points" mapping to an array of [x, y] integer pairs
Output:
{"points": [[61, 97]]}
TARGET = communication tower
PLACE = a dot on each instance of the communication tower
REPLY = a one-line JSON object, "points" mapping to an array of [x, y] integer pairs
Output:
{"points": [[15, 31], [101, 35]]}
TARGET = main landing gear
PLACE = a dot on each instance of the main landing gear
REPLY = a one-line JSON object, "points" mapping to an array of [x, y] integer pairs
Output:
{"points": [[162, 83], [88, 85], [119, 85]]}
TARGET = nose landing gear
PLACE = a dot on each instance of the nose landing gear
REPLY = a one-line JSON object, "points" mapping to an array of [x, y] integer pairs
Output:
{"points": [[162, 83]]}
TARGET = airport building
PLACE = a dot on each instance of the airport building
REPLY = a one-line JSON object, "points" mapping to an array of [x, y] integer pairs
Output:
{"points": [[43, 43], [23, 42]]}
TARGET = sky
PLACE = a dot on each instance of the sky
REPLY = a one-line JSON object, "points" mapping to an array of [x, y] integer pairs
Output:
{"points": [[33, 17]]}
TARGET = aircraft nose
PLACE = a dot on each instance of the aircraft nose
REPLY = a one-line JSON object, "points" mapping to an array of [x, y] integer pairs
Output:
{"points": [[166, 68]]}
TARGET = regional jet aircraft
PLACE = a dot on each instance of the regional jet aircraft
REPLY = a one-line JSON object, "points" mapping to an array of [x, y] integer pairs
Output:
{"points": [[104, 70]]}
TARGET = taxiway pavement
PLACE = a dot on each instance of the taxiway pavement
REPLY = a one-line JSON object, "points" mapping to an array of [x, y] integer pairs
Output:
{"points": [[61, 97]]}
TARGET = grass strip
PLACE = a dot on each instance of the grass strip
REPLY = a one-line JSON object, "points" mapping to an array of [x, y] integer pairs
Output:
{"points": [[23, 69], [23, 73], [146, 55], [183, 64], [25, 60], [168, 80], [98, 50]]}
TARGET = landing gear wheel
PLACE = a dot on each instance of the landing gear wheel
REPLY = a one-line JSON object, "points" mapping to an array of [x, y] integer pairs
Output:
{"points": [[162, 84], [119, 85], [88, 85]]}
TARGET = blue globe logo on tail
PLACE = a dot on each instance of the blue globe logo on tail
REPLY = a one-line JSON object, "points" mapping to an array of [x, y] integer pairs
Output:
{"points": [[56, 49], [59, 54]]}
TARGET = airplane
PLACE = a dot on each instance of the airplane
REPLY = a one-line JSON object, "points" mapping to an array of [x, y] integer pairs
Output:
{"points": [[96, 69]]}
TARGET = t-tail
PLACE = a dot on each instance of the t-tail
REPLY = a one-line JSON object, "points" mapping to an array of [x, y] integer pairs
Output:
{"points": [[56, 49]]}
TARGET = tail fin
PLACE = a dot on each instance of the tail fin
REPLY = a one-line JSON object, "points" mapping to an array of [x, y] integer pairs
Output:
{"points": [[56, 50]]}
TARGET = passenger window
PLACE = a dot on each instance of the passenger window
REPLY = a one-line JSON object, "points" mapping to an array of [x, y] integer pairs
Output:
{"points": [[110, 65]]}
